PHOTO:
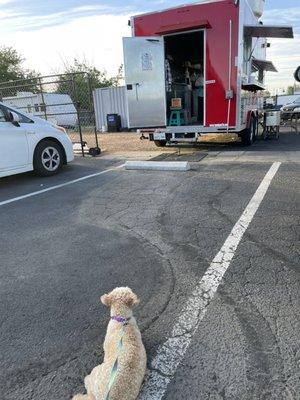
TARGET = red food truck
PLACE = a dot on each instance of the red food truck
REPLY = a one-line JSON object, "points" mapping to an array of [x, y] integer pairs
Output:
{"points": [[198, 69]]}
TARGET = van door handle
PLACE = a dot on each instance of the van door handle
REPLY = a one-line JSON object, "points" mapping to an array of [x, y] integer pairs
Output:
{"points": [[30, 132], [137, 91]]}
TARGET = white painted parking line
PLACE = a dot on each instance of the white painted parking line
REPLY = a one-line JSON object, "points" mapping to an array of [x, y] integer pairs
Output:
{"points": [[170, 353], [84, 178]]}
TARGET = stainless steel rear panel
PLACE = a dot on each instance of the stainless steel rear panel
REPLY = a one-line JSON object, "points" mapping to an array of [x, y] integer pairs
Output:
{"points": [[144, 61]]}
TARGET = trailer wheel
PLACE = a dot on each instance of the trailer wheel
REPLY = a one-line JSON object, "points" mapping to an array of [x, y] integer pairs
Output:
{"points": [[248, 136], [255, 136], [160, 143]]}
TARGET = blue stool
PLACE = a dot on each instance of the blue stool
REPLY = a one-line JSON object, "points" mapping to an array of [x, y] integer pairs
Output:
{"points": [[177, 118]]}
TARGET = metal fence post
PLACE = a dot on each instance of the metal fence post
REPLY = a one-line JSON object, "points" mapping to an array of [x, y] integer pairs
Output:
{"points": [[93, 109], [43, 98], [78, 114]]}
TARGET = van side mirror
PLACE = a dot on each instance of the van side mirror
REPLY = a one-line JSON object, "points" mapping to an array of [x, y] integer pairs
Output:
{"points": [[297, 74], [14, 118]]}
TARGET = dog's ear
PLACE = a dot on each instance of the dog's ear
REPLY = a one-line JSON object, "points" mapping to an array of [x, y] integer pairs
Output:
{"points": [[106, 300], [131, 300]]}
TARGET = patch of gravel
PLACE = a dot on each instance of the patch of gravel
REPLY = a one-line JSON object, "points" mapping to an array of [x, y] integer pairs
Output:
{"points": [[129, 141]]}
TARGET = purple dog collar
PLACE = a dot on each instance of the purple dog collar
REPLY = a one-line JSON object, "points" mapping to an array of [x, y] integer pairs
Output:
{"points": [[121, 320]]}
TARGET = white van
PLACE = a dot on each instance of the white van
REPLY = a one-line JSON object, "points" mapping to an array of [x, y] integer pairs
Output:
{"points": [[57, 106], [30, 143]]}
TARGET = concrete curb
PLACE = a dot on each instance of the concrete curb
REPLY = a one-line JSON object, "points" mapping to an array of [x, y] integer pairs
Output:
{"points": [[158, 165]]}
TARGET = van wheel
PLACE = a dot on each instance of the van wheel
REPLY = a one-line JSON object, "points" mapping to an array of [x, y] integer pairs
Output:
{"points": [[48, 158], [160, 143], [249, 134]]}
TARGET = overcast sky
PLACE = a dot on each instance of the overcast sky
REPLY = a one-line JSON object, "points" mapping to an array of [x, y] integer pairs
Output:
{"points": [[49, 33]]}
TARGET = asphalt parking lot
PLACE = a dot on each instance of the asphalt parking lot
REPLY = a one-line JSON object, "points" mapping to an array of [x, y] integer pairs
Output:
{"points": [[157, 232]]}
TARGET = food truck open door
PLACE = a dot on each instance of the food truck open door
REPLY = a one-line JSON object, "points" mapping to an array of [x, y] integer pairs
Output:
{"points": [[144, 62]]}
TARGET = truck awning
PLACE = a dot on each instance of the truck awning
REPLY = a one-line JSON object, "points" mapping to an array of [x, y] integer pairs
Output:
{"points": [[165, 29], [268, 31], [263, 65]]}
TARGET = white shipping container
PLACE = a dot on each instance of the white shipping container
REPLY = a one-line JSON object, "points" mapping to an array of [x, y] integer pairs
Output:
{"points": [[110, 100]]}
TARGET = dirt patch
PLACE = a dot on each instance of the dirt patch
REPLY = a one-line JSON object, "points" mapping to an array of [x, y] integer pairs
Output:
{"points": [[124, 142], [116, 142]]}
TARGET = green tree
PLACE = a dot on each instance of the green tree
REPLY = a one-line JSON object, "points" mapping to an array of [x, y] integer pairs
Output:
{"points": [[80, 79], [290, 90], [11, 69]]}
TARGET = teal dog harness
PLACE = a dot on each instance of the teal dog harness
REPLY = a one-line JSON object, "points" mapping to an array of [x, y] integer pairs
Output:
{"points": [[113, 374]]}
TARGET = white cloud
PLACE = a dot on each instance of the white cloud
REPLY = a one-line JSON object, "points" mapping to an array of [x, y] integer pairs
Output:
{"points": [[98, 39], [286, 16], [285, 53]]}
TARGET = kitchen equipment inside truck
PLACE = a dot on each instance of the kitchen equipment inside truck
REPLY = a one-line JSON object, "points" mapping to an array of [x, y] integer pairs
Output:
{"points": [[184, 58]]}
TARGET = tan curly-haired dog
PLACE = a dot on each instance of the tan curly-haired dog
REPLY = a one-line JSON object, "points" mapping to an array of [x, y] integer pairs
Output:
{"points": [[124, 363]]}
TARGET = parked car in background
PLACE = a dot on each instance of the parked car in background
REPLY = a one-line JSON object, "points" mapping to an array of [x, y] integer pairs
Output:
{"points": [[30, 143], [291, 109]]}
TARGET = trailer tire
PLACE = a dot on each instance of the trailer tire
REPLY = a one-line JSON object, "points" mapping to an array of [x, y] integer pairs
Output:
{"points": [[160, 143], [248, 136], [255, 136]]}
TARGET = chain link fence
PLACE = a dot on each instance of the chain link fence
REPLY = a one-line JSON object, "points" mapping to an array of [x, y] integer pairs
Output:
{"points": [[65, 100]]}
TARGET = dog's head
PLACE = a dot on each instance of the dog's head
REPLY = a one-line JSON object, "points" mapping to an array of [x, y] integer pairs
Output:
{"points": [[122, 296]]}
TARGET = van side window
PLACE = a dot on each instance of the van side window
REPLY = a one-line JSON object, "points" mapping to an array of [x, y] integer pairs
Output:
{"points": [[2, 116]]}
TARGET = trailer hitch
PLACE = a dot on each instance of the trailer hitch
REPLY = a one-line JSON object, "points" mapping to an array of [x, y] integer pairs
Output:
{"points": [[143, 137]]}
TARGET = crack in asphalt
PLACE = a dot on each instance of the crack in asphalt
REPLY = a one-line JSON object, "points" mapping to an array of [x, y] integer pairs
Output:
{"points": [[164, 246], [215, 203]]}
